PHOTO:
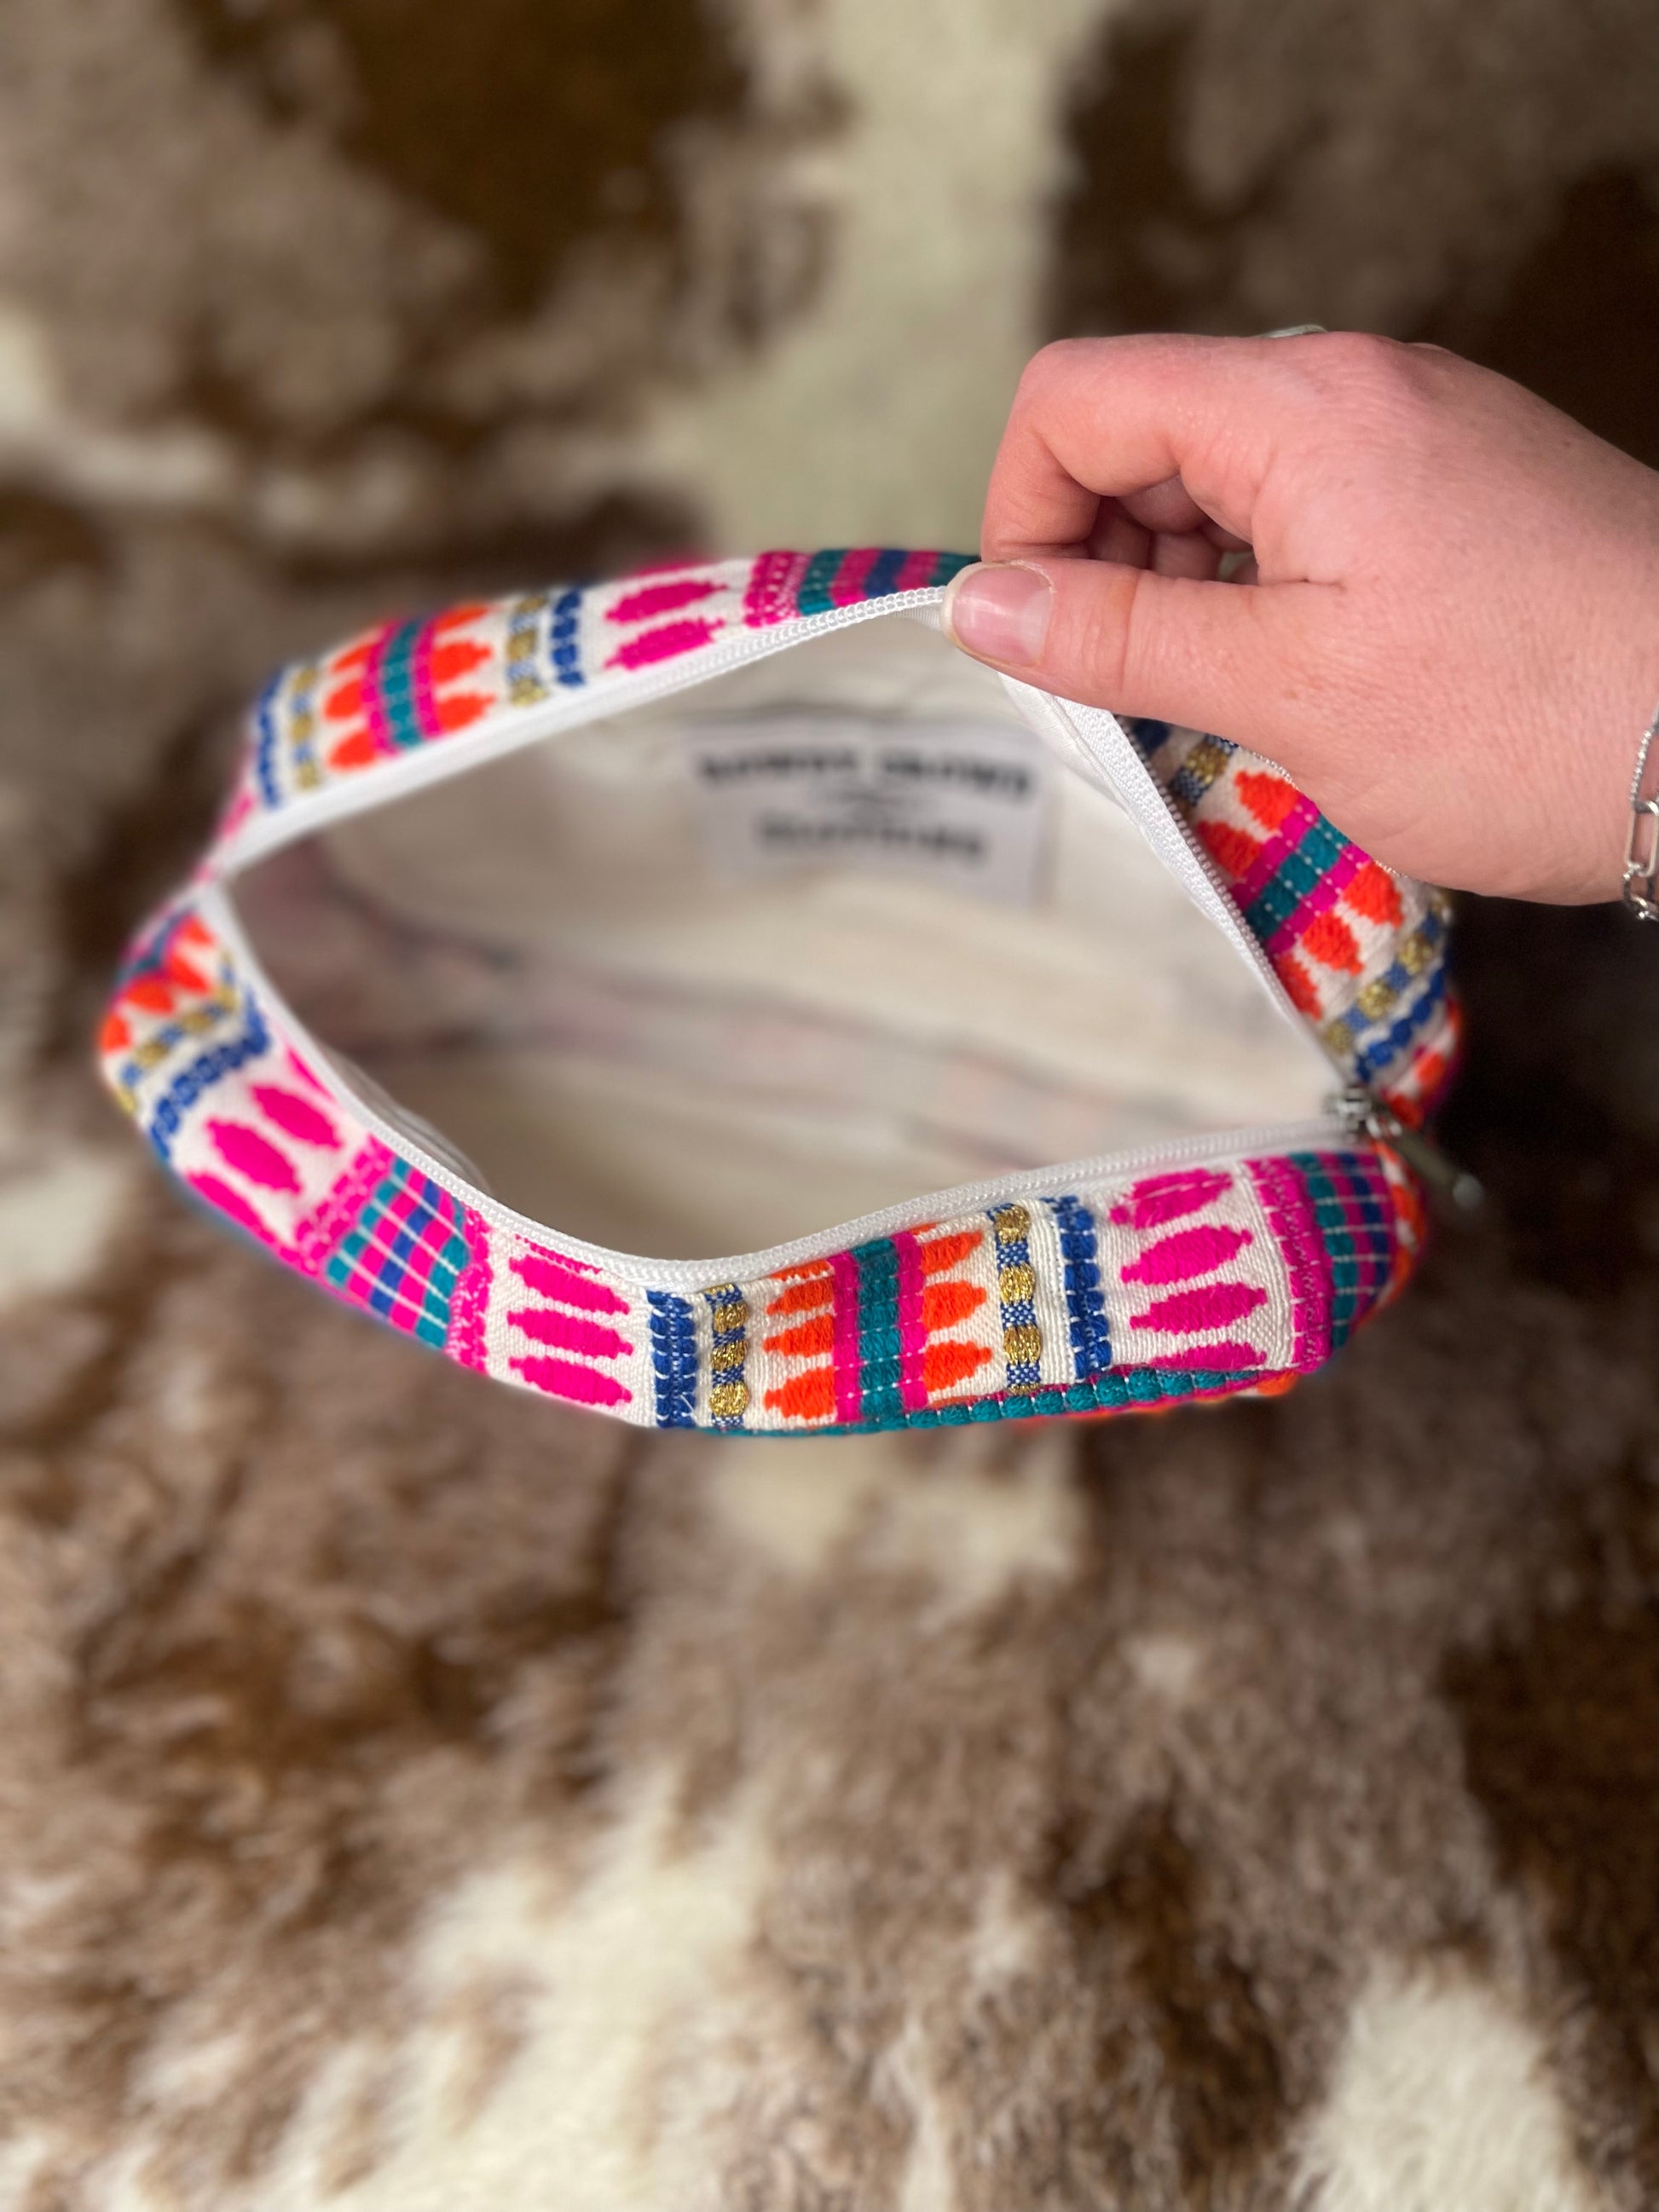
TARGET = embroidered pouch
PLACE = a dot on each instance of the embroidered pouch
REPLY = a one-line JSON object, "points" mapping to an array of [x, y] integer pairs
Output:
{"points": [[706, 908]]}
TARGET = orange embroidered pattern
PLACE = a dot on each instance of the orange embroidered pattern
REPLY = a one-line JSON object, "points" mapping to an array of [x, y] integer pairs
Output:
{"points": [[403, 686]]}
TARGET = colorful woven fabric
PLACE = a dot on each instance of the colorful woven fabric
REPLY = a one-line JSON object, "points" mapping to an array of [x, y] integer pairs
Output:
{"points": [[412, 684], [1361, 952], [1193, 1282]]}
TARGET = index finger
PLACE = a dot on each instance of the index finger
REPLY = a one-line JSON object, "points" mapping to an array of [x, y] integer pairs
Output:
{"points": [[1105, 418]]}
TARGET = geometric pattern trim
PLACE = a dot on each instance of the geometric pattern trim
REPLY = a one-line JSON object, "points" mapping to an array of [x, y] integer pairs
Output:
{"points": [[1192, 1284], [1360, 951]]}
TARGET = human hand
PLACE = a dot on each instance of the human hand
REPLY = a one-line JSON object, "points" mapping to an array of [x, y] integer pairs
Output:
{"points": [[1448, 634]]}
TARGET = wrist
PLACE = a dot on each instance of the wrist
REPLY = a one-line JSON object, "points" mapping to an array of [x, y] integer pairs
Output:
{"points": [[1640, 880], [1618, 701]]}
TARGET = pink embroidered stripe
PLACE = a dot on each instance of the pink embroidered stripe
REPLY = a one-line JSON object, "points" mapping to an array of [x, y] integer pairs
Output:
{"points": [[665, 642], [1307, 1263], [657, 600], [849, 1394], [569, 1332], [427, 718], [374, 717], [1214, 1306], [1229, 1355], [772, 584], [252, 1155], [1169, 1197], [317, 1234], [469, 1307], [553, 1280], [848, 590], [1274, 854], [1187, 1253], [913, 1330], [564, 1378], [295, 1116]]}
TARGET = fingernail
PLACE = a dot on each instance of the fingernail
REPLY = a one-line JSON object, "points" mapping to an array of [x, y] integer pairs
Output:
{"points": [[1001, 610]]}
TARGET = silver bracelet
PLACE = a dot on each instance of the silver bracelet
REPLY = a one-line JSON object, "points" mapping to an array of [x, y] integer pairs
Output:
{"points": [[1641, 878]]}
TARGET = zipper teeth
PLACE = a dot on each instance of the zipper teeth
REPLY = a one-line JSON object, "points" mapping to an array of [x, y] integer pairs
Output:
{"points": [[1142, 793], [435, 763], [432, 765], [1269, 974], [696, 1274], [1270, 979]]}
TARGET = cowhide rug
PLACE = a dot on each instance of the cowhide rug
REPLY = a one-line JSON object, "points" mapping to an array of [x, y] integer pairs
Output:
{"points": [[413, 1796]]}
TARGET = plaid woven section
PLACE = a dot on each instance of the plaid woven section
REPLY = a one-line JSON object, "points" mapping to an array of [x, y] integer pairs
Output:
{"points": [[404, 1257], [1351, 1206]]}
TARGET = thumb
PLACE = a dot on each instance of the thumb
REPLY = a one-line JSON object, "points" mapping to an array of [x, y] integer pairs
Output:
{"points": [[1233, 659]]}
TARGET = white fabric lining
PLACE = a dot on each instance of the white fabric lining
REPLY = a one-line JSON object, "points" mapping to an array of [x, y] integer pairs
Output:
{"points": [[537, 959]]}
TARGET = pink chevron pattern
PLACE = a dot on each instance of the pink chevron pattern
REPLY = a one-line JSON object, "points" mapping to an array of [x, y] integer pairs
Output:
{"points": [[563, 1329], [1193, 1275]]}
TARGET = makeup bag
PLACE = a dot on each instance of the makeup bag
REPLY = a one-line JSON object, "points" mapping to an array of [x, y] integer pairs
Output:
{"points": [[702, 908]]}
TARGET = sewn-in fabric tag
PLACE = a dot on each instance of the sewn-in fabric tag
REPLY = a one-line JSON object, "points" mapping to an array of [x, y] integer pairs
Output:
{"points": [[958, 802]]}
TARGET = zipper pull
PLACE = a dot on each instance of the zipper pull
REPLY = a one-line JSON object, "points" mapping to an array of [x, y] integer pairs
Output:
{"points": [[1365, 1112]]}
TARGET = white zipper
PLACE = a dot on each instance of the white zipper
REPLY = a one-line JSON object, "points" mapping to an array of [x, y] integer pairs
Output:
{"points": [[1101, 738], [1107, 746], [1360, 1111], [1106, 749], [627, 1267], [436, 762]]}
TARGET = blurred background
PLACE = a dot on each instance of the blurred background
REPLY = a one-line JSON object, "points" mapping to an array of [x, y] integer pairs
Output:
{"points": [[311, 310], [312, 307]]}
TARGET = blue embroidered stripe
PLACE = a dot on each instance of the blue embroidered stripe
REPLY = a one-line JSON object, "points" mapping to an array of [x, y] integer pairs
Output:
{"points": [[264, 756], [883, 575], [562, 638], [1146, 733], [673, 1359], [1393, 1041], [203, 1072], [1398, 978], [1091, 1346]]}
